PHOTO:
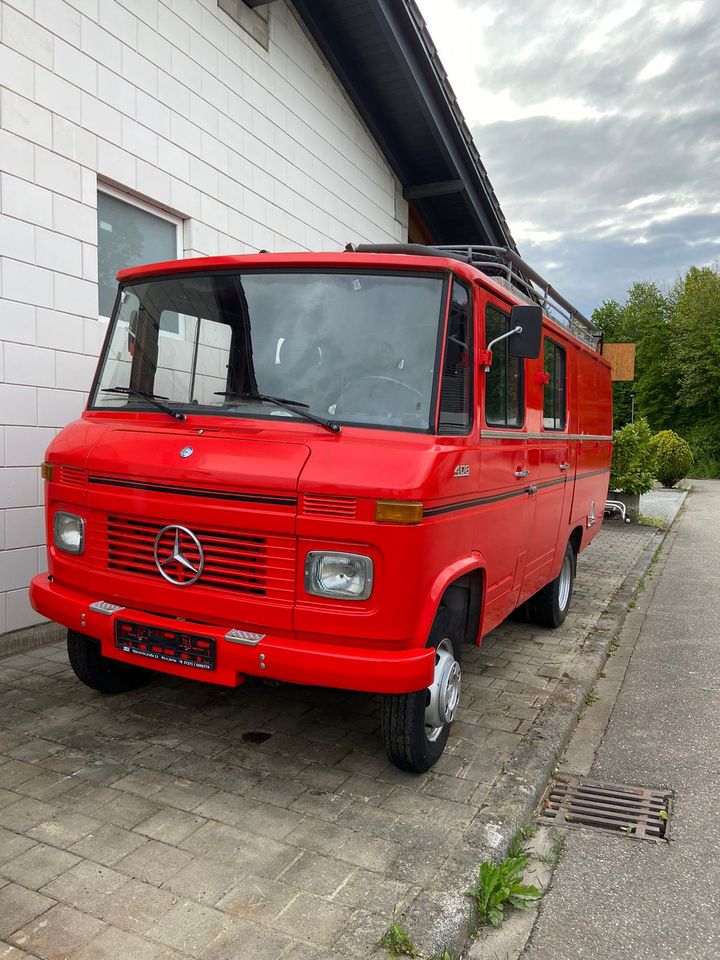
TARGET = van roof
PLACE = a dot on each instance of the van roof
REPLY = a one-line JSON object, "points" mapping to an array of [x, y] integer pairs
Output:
{"points": [[500, 269]]}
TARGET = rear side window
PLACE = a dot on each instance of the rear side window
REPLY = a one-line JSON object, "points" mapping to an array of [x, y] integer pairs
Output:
{"points": [[456, 390], [554, 391], [504, 405]]}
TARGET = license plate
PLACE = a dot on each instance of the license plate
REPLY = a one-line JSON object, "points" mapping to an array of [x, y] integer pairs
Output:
{"points": [[168, 646]]}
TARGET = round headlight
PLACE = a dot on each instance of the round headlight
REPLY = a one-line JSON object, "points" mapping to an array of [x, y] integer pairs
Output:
{"points": [[68, 532], [347, 576]]}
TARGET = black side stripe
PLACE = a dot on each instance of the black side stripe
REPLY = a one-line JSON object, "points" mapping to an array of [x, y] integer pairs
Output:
{"points": [[479, 502], [194, 492], [508, 495]]}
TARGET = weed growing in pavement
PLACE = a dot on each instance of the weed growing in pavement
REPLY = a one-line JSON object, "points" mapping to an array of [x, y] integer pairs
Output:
{"points": [[519, 841], [501, 885], [397, 941], [651, 522], [553, 858], [590, 698], [445, 954]]}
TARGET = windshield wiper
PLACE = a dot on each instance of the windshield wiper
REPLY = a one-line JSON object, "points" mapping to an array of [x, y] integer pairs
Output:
{"points": [[301, 409], [150, 397]]}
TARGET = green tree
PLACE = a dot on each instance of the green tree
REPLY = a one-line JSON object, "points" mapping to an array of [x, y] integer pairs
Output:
{"points": [[695, 343], [610, 318], [648, 315], [643, 320], [694, 357]]}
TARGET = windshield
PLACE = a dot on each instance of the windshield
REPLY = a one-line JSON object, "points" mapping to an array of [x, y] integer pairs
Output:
{"points": [[351, 347]]}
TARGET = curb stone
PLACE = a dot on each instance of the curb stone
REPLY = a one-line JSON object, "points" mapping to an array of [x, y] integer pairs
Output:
{"points": [[20, 641], [444, 921]]}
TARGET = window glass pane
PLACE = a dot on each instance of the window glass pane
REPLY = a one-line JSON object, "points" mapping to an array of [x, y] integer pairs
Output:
{"points": [[503, 384], [128, 236], [554, 389], [358, 348], [456, 390]]}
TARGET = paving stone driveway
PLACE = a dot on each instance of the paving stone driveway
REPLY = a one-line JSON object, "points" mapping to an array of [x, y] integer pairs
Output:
{"points": [[184, 820]]}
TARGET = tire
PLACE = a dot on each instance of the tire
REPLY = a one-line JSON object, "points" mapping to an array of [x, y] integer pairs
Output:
{"points": [[549, 606], [409, 742], [99, 672]]}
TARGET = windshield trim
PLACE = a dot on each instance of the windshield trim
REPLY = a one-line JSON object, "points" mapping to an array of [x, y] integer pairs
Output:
{"points": [[196, 410]]}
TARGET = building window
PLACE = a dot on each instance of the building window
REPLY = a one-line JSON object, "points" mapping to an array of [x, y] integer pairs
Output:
{"points": [[131, 233], [504, 406], [456, 389], [554, 389]]}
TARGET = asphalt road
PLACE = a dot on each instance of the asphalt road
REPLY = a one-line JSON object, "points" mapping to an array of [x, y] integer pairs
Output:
{"points": [[619, 897]]}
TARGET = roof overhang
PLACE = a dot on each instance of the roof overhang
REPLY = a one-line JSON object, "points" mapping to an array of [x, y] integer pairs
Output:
{"points": [[382, 54]]}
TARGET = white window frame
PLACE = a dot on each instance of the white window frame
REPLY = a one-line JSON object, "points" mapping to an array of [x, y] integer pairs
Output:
{"points": [[161, 214]]}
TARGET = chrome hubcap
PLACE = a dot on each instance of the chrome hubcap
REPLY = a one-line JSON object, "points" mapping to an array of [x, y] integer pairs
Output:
{"points": [[444, 692], [565, 581]]}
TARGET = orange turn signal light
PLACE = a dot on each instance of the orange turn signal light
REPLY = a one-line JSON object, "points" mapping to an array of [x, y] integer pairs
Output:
{"points": [[47, 470], [398, 511]]}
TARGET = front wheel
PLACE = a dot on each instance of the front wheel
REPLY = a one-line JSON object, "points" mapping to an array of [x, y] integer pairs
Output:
{"points": [[549, 606], [99, 672], [416, 725]]}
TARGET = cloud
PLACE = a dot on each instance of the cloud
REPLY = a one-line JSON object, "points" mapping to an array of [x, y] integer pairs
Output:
{"points": [[599, 126]]}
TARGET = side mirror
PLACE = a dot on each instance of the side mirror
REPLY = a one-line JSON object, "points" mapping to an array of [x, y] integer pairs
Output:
{"points": [[526, 342]]}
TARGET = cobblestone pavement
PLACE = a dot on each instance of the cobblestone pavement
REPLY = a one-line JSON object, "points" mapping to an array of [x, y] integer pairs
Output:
{"points": [[184, 820]]}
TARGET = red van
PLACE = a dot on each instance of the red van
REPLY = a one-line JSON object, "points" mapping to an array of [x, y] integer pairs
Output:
{"points": [[328, 469]]}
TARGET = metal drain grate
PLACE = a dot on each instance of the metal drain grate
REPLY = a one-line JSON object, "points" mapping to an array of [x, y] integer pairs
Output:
{"points": [[618, 808]]}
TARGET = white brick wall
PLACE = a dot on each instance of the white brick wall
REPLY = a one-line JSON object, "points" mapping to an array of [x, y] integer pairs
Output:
{"points": [[172, 101]]}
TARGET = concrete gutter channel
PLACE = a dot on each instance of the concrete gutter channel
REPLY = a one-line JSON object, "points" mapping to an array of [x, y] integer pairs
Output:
{"points": [[439, 921]]}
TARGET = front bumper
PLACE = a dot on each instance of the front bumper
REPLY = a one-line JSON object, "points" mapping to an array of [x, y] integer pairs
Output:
{"points": [[278, 658]]}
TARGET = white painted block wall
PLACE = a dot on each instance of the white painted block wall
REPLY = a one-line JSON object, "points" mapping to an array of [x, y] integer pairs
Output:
{"points": [[175, 103]]}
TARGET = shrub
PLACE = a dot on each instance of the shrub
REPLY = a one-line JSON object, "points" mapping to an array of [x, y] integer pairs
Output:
{"points": [[633, 460], [673, 457]]}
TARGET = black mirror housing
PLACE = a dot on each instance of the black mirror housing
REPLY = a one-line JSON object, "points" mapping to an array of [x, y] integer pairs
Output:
{"points": [[527, 343]]}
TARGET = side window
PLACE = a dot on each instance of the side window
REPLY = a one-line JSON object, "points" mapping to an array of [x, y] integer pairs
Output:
{"points": [[554, 404], [504, 403], [456, 388]]}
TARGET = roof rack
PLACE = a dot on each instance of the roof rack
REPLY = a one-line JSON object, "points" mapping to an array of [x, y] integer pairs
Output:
{"points": [[507, 268]]}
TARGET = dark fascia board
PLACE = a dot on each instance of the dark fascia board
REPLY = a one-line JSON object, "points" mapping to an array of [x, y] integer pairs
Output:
{"points": [[405, 31], [472, 168]]}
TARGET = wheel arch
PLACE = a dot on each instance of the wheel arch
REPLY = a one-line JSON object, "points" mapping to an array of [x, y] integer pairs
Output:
{"points": [[460, 588], [576, 538]]}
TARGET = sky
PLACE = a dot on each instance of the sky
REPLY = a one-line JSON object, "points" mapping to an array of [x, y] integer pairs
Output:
{"points": [[599, 127]]}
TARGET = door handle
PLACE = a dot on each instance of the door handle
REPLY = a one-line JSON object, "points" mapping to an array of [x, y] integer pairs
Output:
{"points": [[565, 466], [521, 473]]}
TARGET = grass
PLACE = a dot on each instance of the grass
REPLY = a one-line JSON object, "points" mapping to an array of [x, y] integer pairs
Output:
{"points": [[590, 698], [519, 841], [651, 522], [553, 858]]}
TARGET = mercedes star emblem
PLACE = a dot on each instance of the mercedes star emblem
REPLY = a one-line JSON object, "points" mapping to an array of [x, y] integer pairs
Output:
{"points": [[181, 548], [186, 452]]}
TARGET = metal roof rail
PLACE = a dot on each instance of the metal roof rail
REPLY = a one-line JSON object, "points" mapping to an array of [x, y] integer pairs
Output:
{"points": [[506, 267]]}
